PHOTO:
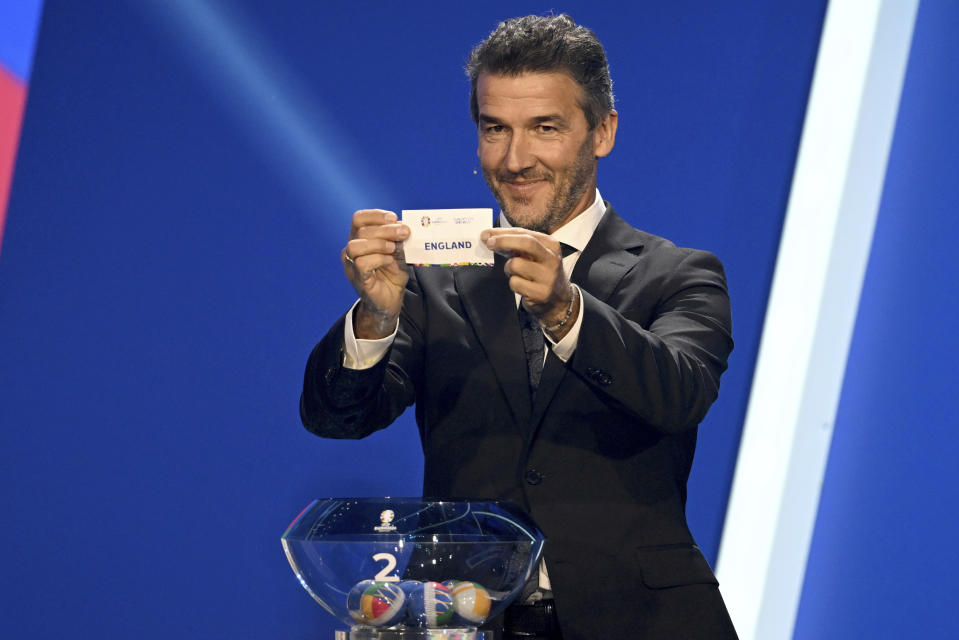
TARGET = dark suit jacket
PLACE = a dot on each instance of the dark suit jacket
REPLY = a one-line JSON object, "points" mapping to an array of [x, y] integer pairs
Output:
{"points": [[600, 458]]}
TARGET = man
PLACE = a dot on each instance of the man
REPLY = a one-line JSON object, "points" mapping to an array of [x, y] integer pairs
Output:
{"points": [[567, 379]]}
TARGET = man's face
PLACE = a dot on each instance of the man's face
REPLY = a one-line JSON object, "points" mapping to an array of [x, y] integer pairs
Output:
{"points": [[535, 147]]}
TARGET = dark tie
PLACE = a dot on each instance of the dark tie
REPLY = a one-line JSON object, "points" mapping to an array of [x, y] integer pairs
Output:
{"points": [[534, 343]]}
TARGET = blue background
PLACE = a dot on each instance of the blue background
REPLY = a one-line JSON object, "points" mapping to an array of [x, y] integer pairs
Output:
{"points": [[185, 180], [18, 27]]}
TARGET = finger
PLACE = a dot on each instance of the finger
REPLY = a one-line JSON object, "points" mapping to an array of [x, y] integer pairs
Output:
{"points": [[540, 248], [534, 294], [516, 241], [359, 247], [499, 231], [529, 269], [366, 266], [396, 231], [371, 217], [537, 292]]}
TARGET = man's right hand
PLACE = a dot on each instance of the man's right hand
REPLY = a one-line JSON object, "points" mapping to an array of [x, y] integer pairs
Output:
{"points": [[374, 263]]}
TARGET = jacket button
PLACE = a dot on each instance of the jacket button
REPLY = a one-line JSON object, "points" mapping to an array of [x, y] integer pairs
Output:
{"points": [[533, 477]]}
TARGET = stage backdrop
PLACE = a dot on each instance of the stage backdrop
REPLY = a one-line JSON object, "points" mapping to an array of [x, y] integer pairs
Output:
{"points": [[882, 555], [186, 175], [18, 31]]}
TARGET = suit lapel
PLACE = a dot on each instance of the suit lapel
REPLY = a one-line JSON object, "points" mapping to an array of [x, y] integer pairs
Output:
{"points": [[491, 307], [554, 370], [611, 253]]}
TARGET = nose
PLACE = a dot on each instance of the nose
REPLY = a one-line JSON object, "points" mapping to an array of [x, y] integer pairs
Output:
{"points": [[519, 154]]}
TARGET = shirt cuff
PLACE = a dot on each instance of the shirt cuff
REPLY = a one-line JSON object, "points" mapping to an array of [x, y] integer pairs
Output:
{"points": [[359, 353], [564, 348]]}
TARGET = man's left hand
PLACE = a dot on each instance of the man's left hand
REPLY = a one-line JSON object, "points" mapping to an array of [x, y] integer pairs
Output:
{"points": [[535, 270]]}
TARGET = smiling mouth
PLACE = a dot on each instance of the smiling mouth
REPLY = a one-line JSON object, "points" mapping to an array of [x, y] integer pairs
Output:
{"points": [[522, 187]]}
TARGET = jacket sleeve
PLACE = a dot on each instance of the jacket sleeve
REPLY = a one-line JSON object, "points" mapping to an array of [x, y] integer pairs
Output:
{"points": [[338, 402], [658, 350]]}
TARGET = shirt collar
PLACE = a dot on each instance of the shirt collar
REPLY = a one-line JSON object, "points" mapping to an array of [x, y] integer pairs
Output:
{"points": [[577, 232]]}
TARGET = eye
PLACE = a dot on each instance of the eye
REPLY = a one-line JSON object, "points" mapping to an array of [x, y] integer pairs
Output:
{"points": [[548, 130], [494, 128]]}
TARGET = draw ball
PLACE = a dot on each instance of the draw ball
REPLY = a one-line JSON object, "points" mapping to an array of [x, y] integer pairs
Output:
{"points": [[430, 604], [471, 602], [379, 604]]}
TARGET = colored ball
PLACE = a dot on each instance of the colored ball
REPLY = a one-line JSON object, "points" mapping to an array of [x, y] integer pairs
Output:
{"points": [[449, 584], [408, 586], [430, 604], [471, 601], [380, 604]]}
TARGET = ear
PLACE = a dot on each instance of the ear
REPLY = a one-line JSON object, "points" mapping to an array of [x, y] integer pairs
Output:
{"points": [[604, 135]]}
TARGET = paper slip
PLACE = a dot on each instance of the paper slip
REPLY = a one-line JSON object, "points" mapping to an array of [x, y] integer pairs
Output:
{"points": [[447, 237]]}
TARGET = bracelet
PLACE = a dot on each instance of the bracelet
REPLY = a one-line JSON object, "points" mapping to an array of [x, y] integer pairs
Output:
{"points": [[574, 292]]}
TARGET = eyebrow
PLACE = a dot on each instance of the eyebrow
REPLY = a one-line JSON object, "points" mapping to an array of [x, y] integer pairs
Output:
{"points": [[553, 117]]}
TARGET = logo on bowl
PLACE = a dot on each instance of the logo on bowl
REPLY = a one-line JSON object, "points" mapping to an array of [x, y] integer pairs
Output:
{"points": [[386, 521]]}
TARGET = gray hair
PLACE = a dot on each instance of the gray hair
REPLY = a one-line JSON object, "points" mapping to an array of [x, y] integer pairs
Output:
{"points": [[546, 44]]}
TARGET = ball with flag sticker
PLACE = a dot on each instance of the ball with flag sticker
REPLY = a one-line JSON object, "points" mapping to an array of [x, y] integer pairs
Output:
{"points": [[430, 604], [471, 602], [380, 604]]}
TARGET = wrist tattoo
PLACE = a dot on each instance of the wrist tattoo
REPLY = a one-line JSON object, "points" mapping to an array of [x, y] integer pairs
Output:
{"points": [[381, 318]]}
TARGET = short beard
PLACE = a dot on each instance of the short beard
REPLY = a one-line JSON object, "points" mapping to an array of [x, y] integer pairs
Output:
{"points": [[564, 199]]}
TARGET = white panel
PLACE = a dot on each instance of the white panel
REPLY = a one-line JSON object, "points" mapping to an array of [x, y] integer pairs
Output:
{"points": [[812, 308]]}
